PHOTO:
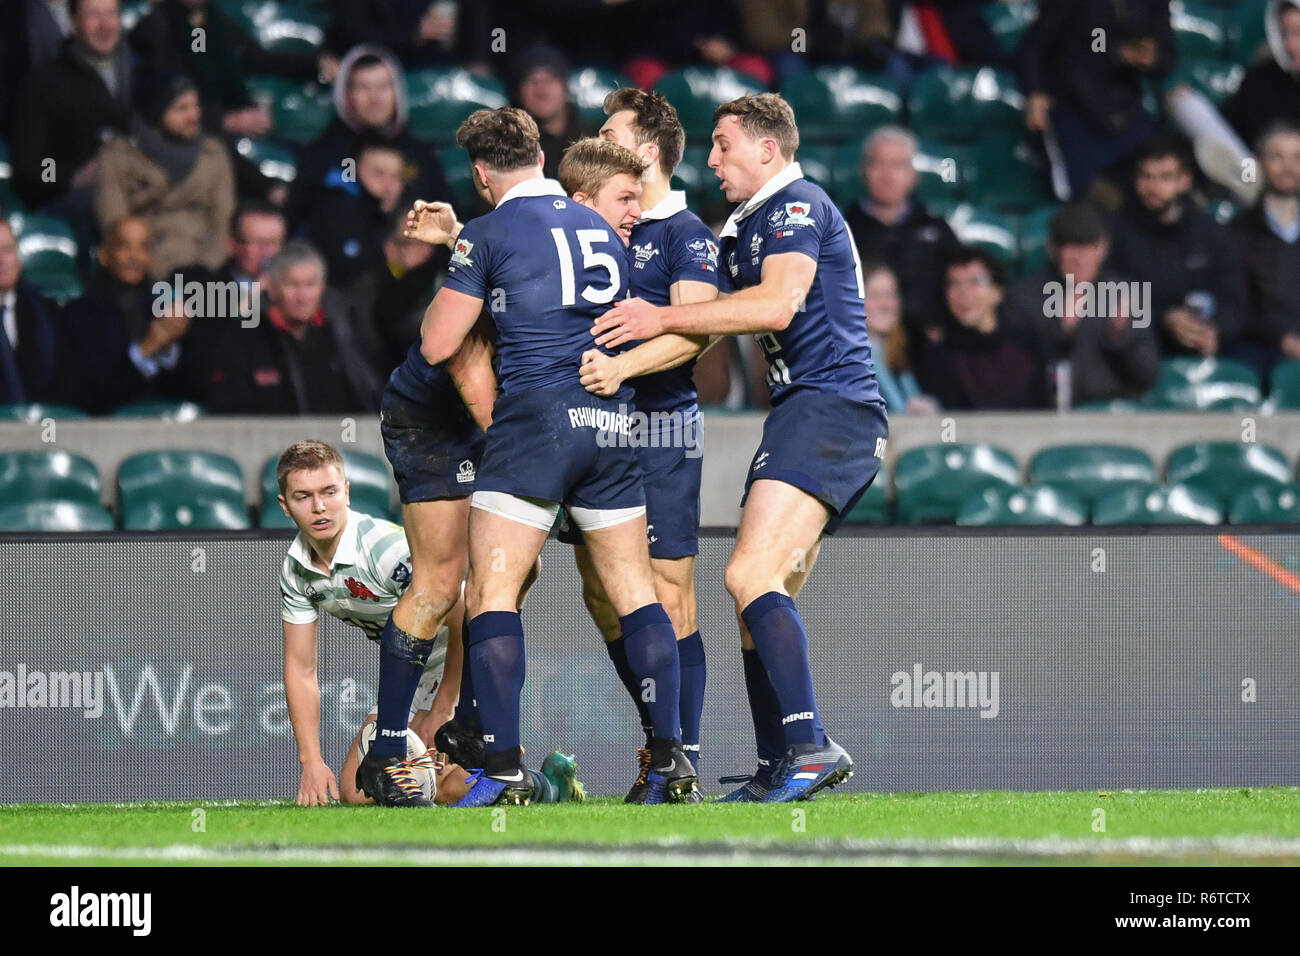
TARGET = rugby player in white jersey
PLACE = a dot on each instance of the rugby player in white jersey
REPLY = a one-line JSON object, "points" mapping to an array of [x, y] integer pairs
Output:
{"points": [[356, 567]]}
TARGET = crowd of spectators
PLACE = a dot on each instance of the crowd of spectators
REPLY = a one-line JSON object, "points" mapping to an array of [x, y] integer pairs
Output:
{"points": [[136, 140]]}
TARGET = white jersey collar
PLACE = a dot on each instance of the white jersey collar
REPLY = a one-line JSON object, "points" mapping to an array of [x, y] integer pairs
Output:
{"points": [[782, 179], [345, 553], [532, 187], [667, 207]]}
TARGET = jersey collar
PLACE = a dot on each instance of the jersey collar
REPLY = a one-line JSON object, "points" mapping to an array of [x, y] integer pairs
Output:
{"points": [[782, 179], [346, 553], [669, 206], [532, 187]]}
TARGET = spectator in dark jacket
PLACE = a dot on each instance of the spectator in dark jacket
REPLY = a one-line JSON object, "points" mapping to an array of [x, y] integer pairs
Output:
{"points": [[420, 32], [34, 34], [302, 358], [889, 224], [1097, 338], [1270, 90], [1268, 238], [1084, 65], [122, 343], [1197, 284], [542, 90], [28, 336], [370, 103], [68, 108], [350, 222], [980, 363]]}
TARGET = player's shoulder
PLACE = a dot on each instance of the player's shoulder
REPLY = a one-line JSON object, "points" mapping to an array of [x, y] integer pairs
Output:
{"points": [[376, 534], [801, 199], [685, 223]]}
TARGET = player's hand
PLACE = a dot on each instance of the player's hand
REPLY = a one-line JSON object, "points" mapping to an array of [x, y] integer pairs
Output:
{"points": [[600, 374], [432, 222], [318, 786], [629, 321]]}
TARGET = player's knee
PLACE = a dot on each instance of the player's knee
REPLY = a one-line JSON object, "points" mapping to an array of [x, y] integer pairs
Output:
{"points": [[746, 580], [433, 594]]}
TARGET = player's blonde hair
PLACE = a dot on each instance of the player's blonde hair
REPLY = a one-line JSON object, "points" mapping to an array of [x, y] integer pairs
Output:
{"points": [[306, 455], [763, 115], [504, 139], [590, 163]]}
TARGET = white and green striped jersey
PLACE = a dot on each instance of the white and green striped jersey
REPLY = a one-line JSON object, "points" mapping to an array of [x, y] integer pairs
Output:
{"points": [[370, 570]]}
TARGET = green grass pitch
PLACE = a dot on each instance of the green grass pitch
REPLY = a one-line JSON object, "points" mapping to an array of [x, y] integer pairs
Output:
{"points": [[1219, 826]]}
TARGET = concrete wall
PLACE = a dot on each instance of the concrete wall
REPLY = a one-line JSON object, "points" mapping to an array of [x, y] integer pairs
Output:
{"points": [[730, 439]]}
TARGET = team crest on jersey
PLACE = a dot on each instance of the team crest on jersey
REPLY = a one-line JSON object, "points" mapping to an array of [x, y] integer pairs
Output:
{"points": [[796, 214], [704, 247], [559, 204], [460, 256], [755, 246], [644, 253], [731, 264], [360, 591], [465, 473], [402, 575], [314, 596]]}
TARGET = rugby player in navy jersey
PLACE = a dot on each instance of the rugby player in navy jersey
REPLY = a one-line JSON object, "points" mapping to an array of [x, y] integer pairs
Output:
{"points": [[798, 289], [545, 267]]}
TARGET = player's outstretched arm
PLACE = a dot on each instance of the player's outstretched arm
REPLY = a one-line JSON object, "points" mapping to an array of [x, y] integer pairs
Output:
{"points": [[432, 222], [766, 307], [471, 371], [302, 692]]}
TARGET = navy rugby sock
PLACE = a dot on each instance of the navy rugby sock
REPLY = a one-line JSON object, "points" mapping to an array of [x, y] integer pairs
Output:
{"points": [[651, 647], [766, 713], [466, 706], [690, 654], [496, 654], [617, 651], [401, 662], [782, 644]]}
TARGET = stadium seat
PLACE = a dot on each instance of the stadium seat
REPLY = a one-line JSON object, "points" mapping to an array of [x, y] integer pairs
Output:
{"points": [[1224, 209], [168, 490], [34, 413], [368, 479], [1010, 174], [1245, 27], [27, 476], [1284, 385], [986, 229], [695, 178], [1208, 384], [1199, 31], [47, 250], [1216, 79], [1152, 504], [271, 159], [1008, 21], [1033, 229], [964, 105], [818, 165], [588, 88], [300, 111], [1226, 468], [874, 507], [1266, 504], [1022, 506], [697, 91], [38, 516], [166, 411], [830, 100], [440, 100], [1090, 471], [132, 11], [931, 482]]}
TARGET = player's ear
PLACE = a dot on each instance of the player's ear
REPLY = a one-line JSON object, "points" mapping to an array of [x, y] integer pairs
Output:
{"points": [[284, 506], [541, 157], [580, 197], [347, 492]]}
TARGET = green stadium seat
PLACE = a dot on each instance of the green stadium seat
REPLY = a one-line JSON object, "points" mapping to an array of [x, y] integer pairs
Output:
{"points": [[47, 476], [1090, 471], [47, 250], [694, 176], [132, 11], [1216, 79], [1245, 27], [931, 482], [1032, 231], [300, 112], [1010, 174], [271, 159], [1266, 504], [818, 165], [1199, 30], [1208, 384], [830, 100], [1284, 385], [34, 413], [1152, 504], [985, 229], [874, 507], [1009, 21], [440, 100], [1224, 209], [965, 105], [1226, 468], [165, 411], [1022, 506], [588, 88], [368, 479], [39, 516], [696, 92], [169, 490]]}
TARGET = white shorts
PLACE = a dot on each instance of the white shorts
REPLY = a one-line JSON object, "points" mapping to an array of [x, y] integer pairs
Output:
{"points": [[539, 513], [430, 680]]}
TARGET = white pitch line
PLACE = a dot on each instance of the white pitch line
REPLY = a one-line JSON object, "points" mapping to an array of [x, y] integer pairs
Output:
{"points": [[957, 850]]}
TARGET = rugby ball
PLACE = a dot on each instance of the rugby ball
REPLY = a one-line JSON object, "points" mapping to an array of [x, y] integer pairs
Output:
{"points": [[425, 776]]}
